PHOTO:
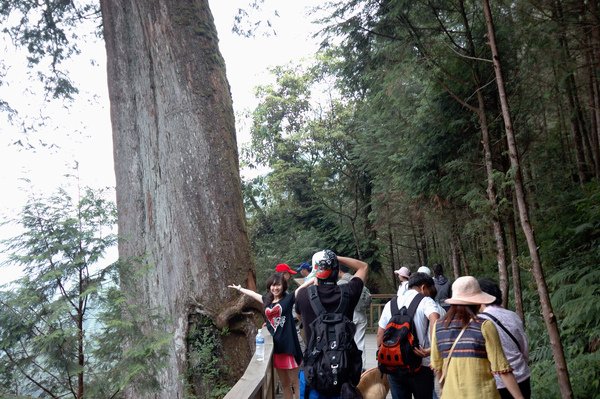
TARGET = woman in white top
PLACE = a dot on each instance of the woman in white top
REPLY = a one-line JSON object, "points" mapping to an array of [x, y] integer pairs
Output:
{"points": [[403, 275]]}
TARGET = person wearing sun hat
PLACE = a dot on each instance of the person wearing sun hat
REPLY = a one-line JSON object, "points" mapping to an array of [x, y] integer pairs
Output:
{"points": [[466, 351], [403, 275]]}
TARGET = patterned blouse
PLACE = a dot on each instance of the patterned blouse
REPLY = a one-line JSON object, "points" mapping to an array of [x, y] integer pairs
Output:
{"points": [[477, 356]]}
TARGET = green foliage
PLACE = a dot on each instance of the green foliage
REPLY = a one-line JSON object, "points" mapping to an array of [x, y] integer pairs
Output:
{"points": [[48, 32], [125, 353], [45, 313], [66, 321], [571, 240], [205, 358], [389, 165], [316, 194]]}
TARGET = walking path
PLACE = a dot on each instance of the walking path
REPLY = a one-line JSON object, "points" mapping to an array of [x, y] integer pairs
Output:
{"points": [[371, 349]]}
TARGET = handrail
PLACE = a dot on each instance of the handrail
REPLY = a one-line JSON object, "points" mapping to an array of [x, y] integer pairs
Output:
{"points": [[258, 380], [378, 301]]}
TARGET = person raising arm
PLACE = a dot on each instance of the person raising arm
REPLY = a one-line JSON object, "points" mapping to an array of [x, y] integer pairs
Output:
{"points": [[277, 310]]}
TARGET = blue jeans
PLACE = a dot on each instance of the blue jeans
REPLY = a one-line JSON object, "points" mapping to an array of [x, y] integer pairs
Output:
{"points": [[419, 385], [313, 394]]}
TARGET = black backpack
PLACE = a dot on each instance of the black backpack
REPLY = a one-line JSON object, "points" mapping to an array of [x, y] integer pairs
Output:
{"points": [[395, 354], [331, 358]]}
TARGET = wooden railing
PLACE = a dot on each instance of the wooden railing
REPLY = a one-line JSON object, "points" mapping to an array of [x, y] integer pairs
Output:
{"points": [[258, 382], [378, 301]]}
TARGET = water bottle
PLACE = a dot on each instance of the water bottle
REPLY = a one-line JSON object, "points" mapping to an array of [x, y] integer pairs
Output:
{"points": [[260, 346]]}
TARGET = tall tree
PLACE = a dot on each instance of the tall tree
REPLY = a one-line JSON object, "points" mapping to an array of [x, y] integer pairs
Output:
{"points": [[177, 179], [538, 272]]}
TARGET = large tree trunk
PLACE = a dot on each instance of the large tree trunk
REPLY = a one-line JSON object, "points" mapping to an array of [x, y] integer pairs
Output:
{"points": [[177, 179], [595, 30], [538, 273]]}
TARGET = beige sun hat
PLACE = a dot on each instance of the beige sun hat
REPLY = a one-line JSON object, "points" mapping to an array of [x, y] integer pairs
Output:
{"points": [[373, 384], [466, 291]]}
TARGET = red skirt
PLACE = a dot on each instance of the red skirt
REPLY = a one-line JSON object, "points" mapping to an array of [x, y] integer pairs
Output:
{"points": [[284, 361]]}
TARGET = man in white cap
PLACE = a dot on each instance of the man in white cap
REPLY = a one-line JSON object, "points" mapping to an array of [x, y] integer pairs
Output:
{"points": [[403, 275], [326, 265], [426, 270]]}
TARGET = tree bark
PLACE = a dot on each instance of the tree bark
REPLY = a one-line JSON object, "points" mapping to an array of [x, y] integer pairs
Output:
{"points": [[390, 237], [80, 342], [538, 272], [513, 249], [416, 241], [455, 256], [493, 201], [177, 179], [595, 50], [423, 242], [589, 37], [575, 112]]}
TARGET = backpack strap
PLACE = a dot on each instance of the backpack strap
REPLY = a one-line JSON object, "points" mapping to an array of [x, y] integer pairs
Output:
{"points": [[495, 320], [394, 305], [315, 302], [414, 304], [412, 308], [344, 298], [317, 306]]}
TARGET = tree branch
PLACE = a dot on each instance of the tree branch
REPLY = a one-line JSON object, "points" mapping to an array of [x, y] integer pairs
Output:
{"points": [[27, 376]]}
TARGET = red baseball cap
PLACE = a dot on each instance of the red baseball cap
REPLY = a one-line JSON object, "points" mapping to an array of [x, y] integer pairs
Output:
{"points": [[284, 267]]}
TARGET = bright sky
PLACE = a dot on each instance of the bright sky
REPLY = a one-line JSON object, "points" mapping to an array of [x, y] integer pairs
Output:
{"points": [[82, 133]]}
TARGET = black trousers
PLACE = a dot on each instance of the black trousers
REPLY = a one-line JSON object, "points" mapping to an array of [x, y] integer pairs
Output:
{"points": [[419, 386], [525, 387]]}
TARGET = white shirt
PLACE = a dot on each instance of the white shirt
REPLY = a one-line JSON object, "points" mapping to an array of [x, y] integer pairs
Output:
{"points": [[426, 307], [402, 288]]}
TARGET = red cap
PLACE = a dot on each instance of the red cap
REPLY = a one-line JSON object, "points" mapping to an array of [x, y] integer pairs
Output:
{"points": [[284, 267]]}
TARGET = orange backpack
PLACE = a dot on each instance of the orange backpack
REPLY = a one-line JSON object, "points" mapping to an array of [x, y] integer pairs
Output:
{"points": [[395, 354]]}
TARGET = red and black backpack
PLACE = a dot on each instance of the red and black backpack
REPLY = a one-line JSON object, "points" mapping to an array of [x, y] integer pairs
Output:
{"points": [[395, 354]]}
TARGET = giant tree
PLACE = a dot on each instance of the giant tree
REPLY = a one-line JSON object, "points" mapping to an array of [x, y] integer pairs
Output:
{"points": [[179, 200], [178, 187]]}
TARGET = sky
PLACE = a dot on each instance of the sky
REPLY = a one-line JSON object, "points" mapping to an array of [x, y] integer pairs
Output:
{"points": [[80, 133]]}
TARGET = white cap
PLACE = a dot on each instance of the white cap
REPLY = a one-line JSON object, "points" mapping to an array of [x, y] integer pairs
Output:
{"points": [[425, 269]]}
